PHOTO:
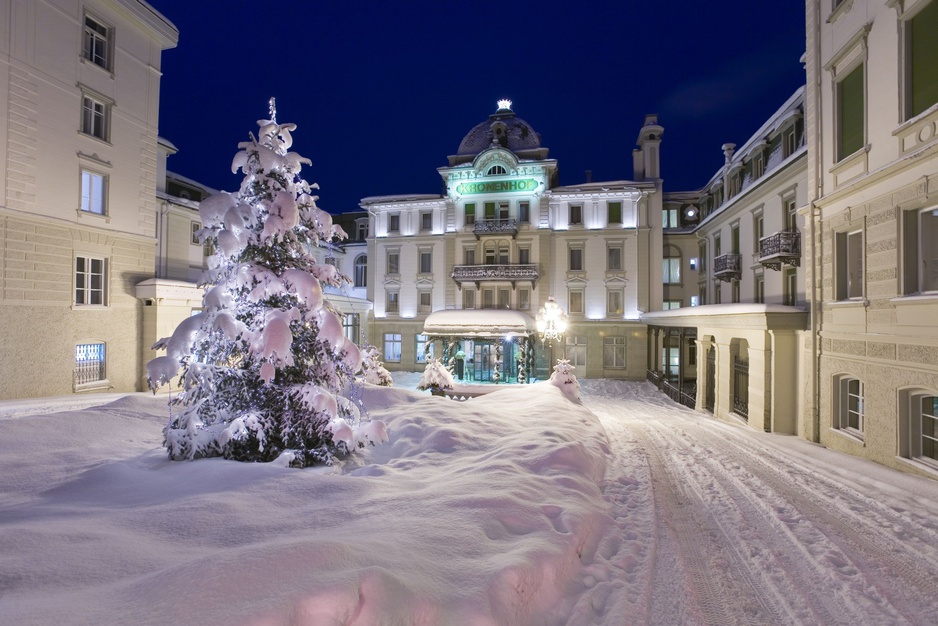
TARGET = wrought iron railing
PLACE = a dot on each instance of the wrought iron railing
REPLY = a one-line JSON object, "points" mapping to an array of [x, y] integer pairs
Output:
{"points": [[471, 273], [741, 387], [782, 247], [728, 266], [495, 227], [90, 363]]}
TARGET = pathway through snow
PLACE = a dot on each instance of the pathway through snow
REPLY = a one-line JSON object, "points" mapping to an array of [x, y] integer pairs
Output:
{"points": [[714, 523]]}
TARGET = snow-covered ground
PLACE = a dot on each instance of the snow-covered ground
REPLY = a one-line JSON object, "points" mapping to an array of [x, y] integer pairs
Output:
{"points": [[518, 507]]}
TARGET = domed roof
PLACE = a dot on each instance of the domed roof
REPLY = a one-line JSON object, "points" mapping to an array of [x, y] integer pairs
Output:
{"points": [[502, 128]]}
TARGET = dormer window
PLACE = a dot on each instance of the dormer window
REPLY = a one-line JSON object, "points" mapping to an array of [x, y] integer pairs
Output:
{"points": [[497, 170]]}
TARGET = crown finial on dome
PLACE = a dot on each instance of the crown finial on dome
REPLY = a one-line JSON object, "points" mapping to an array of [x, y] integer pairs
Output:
{"points": [[504, 105]]}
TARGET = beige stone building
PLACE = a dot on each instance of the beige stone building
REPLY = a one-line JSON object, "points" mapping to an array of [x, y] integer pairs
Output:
{"points": [[78, 179], [872, 220]]}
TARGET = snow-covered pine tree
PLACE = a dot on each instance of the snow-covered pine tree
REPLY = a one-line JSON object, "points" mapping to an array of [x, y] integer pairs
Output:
{"points": [[435, 377], [373, 370], [265, 362]]}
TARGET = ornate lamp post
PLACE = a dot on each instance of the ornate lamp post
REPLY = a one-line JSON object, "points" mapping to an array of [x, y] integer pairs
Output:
{"points": [[551, 325]]}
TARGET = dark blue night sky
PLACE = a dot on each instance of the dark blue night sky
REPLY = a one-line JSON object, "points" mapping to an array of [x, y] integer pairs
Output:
{"points": [[382, 92]]}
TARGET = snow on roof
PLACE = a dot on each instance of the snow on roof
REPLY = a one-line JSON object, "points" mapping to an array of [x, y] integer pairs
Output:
{"points": [[400, 198], [479, 323]]}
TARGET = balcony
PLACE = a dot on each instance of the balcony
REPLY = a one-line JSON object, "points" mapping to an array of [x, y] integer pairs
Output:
{"points": [[728, 267], [783, 247], [508, 272], [496, 227]]}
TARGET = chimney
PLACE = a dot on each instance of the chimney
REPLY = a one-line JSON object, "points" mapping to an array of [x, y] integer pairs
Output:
{"points": [[589, 176]]}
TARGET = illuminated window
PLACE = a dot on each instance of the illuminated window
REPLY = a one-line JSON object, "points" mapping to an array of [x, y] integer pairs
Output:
{"points": [[393, 302], [90, 364], [497, 170], [671, 266], [97, 43], [90, 281], [614, 211], [423, 349], [392, 347], [576, 350], [669, 218], [470, 210], [614, 301], [94, 193], [671, 304], [351, 326]]}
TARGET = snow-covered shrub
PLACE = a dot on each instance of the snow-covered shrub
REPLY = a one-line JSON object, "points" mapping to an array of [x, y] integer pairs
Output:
{"points": [[564, 378], [373, 370], [264, 365], [435, 376]]}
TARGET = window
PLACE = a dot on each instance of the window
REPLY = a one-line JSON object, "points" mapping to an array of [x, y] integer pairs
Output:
{"points": [[97, 43], [423, 349], [734, 238], [758, 230], [330, 260], [789, 142], [469, 256], [702, 252], [470, 211], [918, 426], [692, 263], [362, 230], [426, 302], [576, 301], [669, 218], [920, 251], [849, 265], [614, 259], [489, 208], [576, 350], [95, 117], [735, 180], [717, 246], [194, 227], [671, 304], [849, 405], [671, 358], [790, 287], [488, 298], [361, 270], [734, 292], [671, 266], [576, 214], [695, 300], [502, 211], [614, 212], [394, 223], [426, 262], [614, 300], [850, 113], [468, 299], [922, 60], [426, 221], [614, 352], [524, 299], [394, 262], [504, 298], [759, 288], [351, 325], [497, 170], [524, 212], [497, 252], [392, 347], [94, 194], [524, 256], [394, 305], [90, 281], [758, 164], [90, 364], [791, 215], [576, 259]]}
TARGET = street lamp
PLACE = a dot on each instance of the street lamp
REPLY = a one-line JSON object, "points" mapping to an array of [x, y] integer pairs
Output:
{"points": [[551, 324]]}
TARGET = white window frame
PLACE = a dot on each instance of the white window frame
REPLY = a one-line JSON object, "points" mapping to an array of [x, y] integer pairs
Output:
{"points": [[392, 302], [575, 258], [850, 266], [614, 264], [394, 223], [425, 258], [671, 266], [469, 298], [918, 426], [360, 270], [615, 352], [849, 405], [96, 116], [85, 293], [351, 326], [426, 221], [423, 348], [576, 301], [96, 36], [393, 262], [920, 251], [615, 301], [424, 301], [576, 350], [576, 215]]}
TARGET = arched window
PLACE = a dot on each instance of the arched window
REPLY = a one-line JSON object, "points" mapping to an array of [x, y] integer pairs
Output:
{"points": [[361, 270], [496, 170]]}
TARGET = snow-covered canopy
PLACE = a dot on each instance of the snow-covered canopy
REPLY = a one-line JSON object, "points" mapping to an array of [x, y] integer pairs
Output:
{"points": [[479, 323]]}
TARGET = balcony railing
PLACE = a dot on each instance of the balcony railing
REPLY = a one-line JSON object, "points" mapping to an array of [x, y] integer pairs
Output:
{"points": [[728, 267], [478, 273], [496, 227], [783, 247]]}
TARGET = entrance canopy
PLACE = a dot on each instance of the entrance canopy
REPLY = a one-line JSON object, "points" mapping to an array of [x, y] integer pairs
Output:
{"points": [[479, 323]]}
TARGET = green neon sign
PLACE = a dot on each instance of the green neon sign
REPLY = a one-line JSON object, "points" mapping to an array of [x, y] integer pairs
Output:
{"points": [[496, 186]]}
